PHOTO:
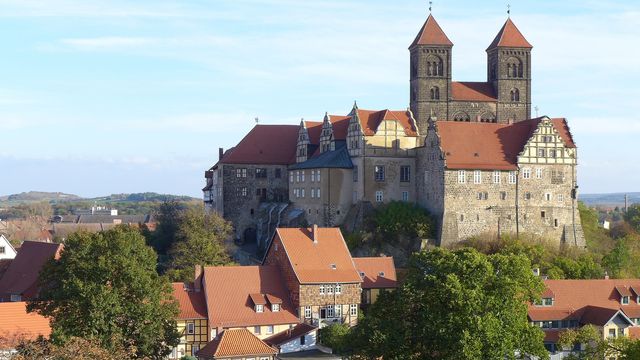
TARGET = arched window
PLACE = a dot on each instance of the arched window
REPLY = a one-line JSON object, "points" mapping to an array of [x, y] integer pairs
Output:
{"points": [[435, 66], [488, 117], [435, 93], [461, 116], [515, 95], [429, 68], [514, 68]]}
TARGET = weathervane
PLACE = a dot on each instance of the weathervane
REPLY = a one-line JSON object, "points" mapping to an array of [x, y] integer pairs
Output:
{"points": [[508, 10], [430, 3]]}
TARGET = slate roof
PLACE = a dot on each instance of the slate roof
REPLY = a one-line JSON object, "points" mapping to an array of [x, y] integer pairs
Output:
{"points": [[490, 146], [192, 304], [235, 343], [431, 34], [379, 272], [509, 36], [265, 144], [337, 159], [21, 276], [228, 291], [328, 260]]}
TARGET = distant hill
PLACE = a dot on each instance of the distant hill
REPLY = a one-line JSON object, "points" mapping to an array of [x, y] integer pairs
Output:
{"points": [[58, 197], [613, 199]]}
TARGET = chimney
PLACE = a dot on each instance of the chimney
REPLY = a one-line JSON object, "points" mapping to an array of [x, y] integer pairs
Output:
{"points": [[314, 233], [220, 153], [197, 282], [606, 275]]}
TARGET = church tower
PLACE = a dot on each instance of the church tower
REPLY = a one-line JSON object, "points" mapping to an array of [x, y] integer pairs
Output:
{"points": [[430, 73], [509, 71]]}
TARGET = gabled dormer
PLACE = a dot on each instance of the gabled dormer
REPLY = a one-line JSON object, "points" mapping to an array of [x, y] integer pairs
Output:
{"points": [[624, 294], [546, 299], [259, 302], [275, 302], [326, 136], [636, 291], [302, 147]]}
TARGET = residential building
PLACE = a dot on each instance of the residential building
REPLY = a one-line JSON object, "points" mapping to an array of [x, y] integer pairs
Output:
{"points": [[302, 337], [612, 306], [7, 251], [20, 280], [319, 274], [17, 325], [237, 344], [468, 151], [191, 321], [378, 275]]}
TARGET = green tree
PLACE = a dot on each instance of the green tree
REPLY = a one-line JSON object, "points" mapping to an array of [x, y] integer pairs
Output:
{"points": [[199, 240], [595, 347], [618, 260], [401, 217], [633, 216], [457, 305], [335, 337], [168, 218], [105, 288]]}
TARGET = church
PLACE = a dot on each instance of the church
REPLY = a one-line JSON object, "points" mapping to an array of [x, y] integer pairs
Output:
{"points": [[469, 152]]}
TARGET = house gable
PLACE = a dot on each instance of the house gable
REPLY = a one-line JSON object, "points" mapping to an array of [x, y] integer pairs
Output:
{"points": [[547, 145]]}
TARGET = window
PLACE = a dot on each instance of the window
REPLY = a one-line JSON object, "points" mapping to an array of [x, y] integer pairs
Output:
{"points": [[318, 176], [329, 289], [612, 333], [191, 328], [353, 310], [302, 192], [338, 310], [2, 250], [483, 196], [278, 173], [462, 177], [261, 173], [555, 222], [560, 197], [297, 176], [321, 289], [542, 153], [526, 173], [552, 153], [527, 196], [313, 192], [243, 191], [302, 176], [338, 289], [625, 300], [496, 177], [269, 329], [538, 173], [512, 177], [241, 173], [355, 174], [307, 312], [330, 311], [214, 333], [434, 93], [405, 196], [503, 195], [379, 172], [547, 197], [275, 307], [259, 308], [313, 175], [318, 193], [302, 340], [405, 173], [291, 177], [515, 95], [194, 349], [256, 330], [379, 196], [557, 177], [477, 177]]}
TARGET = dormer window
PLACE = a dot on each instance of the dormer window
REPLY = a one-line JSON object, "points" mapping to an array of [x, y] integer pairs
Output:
{"points": [[259, 308], [333, 266], [625, 300], [362, 276], [547, 301], [275, 307]]}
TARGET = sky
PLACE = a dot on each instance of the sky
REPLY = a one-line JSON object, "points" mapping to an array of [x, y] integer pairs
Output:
{"points": [[119, 96]]}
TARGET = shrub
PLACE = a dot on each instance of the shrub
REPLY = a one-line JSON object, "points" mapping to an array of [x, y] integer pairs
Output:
{"points": [[399, 217]]}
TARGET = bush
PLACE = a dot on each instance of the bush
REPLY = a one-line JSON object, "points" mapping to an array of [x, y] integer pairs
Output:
{"points": [[335, 336], [399, 217]]}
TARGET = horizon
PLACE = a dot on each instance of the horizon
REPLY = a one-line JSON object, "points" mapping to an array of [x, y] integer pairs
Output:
{"points": [[109, 97]]}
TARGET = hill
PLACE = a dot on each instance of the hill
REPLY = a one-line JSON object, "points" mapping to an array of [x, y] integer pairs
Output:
{"points": [[59, 197], [612, 199]]}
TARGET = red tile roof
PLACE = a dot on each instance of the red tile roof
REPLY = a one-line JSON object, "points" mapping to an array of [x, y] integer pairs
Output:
{"points": [[472, 91], [22, 274], [192, 304], [290, 334], [379, 272], [509, 36], [371, 119], [474, 145], [634, 332], [431, 34], [16, 324], [228, 290], [236, 343], [588, 300], [328, 260], [265, 144]]}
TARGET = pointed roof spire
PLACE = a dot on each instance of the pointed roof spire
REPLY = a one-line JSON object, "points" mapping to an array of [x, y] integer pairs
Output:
{"points": [[431, 34], [302, 123], [509, 36], [326, 117], [355, 105]]}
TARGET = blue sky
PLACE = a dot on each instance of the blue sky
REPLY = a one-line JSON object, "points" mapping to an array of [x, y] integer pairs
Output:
{"points": [[100, 97]]}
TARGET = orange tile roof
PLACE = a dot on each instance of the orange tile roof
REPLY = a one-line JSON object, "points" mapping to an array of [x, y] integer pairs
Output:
{"points": [[192, 304], [509, 36], [371, 119], [472, 91], [379, 272], [591, 301], [431, 34], [22, 274], [474, 145], [314, 262], [634, 332], [236, 342], [16, 324], [228, 290], [258, 299], [265, 144]]}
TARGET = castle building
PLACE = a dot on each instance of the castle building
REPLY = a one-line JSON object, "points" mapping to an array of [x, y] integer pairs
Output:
{"points": [[469, 152]]}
